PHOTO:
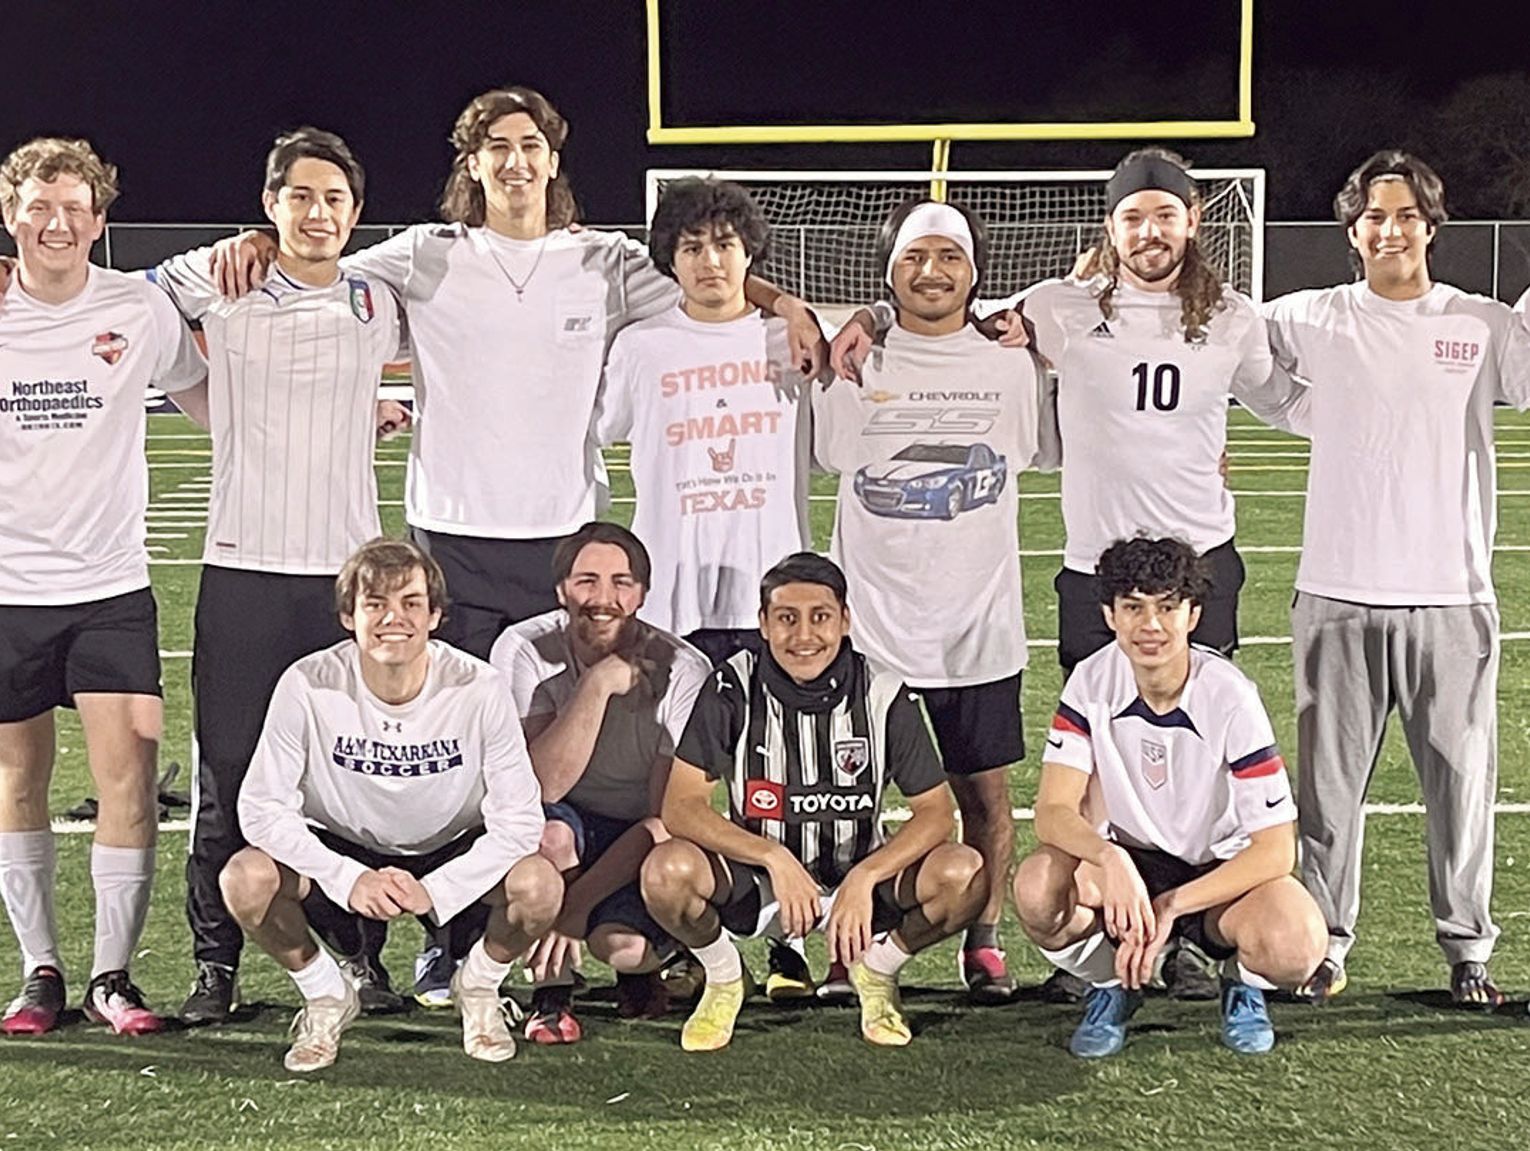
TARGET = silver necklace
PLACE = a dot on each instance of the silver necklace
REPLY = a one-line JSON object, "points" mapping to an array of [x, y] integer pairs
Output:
{"points": [[518, 285]]}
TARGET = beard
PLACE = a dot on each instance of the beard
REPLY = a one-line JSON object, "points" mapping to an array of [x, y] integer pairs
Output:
{"points": [[1155, 273], [600, 640]]}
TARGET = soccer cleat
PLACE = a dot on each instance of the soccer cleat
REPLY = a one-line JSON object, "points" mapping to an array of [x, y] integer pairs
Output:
{"points": [[37, 1008], [1471, 986], [987, 978], [485, 1021], [1189, 973], [1323, 984], [789, 978], [373, 987], [710, 1027], [552, 1018], [316, 1030], [433, 970], [683, 977], [882, 1019], [112, 999], [1063, 987], [836, 988], [641, 996], [214, 995], [1103, 1029], [1246, 1026]]}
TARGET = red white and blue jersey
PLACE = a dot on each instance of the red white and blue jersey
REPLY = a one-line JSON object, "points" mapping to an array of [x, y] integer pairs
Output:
{"points": [[1195, 782]]}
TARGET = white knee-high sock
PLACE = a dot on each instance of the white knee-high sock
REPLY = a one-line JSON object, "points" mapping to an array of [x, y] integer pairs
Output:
{"points": [[27, 865], [321, 979], [1092, 959], [480, 971], [720, 959], [123, 878]]}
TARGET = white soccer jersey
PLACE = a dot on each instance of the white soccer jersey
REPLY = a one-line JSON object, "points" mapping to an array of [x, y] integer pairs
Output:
{"points": [[74, 485], [928, 450], [506, 381], [719, 423], [1143, 413], [402, 779], [639, 728], [1194, 783], [293, 373], [1401, 492]]}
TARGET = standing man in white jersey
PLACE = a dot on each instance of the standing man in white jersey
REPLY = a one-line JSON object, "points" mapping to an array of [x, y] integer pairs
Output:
{"points": [[391, 778], [78, 346], [1395, 603], [1169, 748], [929, 449], [292, 391]]}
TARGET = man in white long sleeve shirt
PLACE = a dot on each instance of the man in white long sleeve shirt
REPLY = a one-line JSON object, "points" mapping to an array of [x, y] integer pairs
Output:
{"points": [[391, 778]]}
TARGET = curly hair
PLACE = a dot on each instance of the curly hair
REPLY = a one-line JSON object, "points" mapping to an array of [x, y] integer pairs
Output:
{"points": [[463, 199], [1152, 567], [46, 159], [1199, 286], [692, 204]]}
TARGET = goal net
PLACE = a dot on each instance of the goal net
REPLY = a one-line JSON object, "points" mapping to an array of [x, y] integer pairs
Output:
{"points": [[824, 225]]}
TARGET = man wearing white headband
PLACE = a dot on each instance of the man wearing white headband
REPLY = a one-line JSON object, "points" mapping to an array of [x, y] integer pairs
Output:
{"points": [[928, 450]]}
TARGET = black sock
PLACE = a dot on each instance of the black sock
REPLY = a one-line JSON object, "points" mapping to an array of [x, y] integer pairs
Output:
{"points": [[981, 935]]}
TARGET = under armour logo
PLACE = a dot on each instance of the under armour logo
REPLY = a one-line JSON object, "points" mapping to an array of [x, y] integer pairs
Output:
{"points": [[397, 725]]}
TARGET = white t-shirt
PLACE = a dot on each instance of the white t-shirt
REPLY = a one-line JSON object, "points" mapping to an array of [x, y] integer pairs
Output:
{"points": [[1143, 413], [719, 423], [1402, 492], [1194, 783], [293, 373], [928, 450], [639, 728], [506, 382], [403, 779], [74, 485]]}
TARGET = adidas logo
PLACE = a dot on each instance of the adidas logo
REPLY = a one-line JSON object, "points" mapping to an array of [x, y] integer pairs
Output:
{"points": [[1102, 331]]}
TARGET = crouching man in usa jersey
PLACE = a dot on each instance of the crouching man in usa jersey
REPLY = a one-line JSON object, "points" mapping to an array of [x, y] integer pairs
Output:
{"points": [[391, 777], [806, 738], [1164, 810]]}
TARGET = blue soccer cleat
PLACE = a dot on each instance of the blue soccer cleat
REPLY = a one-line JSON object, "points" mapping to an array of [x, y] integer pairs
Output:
{"points": [[1103, 1030], [1246, 1026]]}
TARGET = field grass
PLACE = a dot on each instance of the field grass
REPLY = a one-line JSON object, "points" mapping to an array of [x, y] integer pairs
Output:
{"points": [[1388, 1065]]}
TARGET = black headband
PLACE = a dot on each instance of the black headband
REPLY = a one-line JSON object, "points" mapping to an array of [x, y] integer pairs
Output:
{"points": [[1145, 172]]}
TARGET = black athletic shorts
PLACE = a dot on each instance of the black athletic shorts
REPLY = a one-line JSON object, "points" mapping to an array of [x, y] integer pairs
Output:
{"points": [[48, 655], [490, 584], [977, 728], [593, 837], [1162, 872], [743, 897], [721, 643], [1081, 627]]}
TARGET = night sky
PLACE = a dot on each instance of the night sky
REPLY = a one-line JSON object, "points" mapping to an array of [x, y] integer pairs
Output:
{"points": [[186, 98]]}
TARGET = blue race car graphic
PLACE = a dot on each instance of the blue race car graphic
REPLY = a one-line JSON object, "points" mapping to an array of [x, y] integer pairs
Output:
{"points": [[932, 481]]}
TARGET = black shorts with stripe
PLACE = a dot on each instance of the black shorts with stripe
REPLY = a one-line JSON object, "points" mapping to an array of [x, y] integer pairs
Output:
{"points": [[743, 896], [50, 654], [1162, 872]]}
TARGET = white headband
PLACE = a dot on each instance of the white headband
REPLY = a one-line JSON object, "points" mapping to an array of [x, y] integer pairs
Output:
{"points": [[933, 220]]}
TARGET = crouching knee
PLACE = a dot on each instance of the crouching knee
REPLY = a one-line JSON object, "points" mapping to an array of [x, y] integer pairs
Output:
{"points": [[249, 881], [1043, 891], [672, 872], [533, 894]]}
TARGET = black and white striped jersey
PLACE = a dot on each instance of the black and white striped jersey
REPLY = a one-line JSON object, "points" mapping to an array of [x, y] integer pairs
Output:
{"points": [[813, 781]]}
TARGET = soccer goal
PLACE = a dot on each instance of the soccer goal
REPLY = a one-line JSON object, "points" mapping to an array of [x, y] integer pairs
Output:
{"points": [[824, 224]]}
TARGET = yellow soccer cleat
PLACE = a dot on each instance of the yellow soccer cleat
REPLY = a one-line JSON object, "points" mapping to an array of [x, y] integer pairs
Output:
{"points": [[710, 1027], [882, 1020]]}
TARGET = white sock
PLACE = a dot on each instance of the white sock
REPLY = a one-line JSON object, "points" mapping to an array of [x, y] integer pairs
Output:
{"points": [[1233, 969], [884, 957], [123, 878], [27, 864], [321, 979], [1092, 959], [480, 972], [720, 960]]}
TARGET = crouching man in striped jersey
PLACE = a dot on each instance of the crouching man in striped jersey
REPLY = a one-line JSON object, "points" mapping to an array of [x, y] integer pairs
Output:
{"points": [[1164, 810], [807, 737], [391, 777]]}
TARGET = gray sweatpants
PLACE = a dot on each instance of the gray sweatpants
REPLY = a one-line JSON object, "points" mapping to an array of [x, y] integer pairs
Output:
{"points": [[1439, 667]]}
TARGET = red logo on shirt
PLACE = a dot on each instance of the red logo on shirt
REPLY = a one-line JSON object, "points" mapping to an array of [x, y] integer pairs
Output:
{"points": [[110, 346], [1155, 764], [1457, 354], [763, 799], [723, 461]]}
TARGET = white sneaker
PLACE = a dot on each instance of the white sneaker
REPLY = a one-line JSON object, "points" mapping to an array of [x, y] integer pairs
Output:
{"points": [[317, 1028], [485, 1021]]}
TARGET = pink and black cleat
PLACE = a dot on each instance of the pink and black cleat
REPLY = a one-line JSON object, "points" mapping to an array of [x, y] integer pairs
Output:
{"points": [[112, 999], [36, 1010]]}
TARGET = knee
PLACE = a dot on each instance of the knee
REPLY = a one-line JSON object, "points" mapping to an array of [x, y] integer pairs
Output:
{"points": [[671, 871], [249, 881], [1043, 883], [953, 868], [534, 893], [558, 845], [1286, 949], [622, 948]]}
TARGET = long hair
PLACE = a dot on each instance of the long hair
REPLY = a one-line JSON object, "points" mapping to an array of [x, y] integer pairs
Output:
{"points": [[1199, 286], [463, 201]]}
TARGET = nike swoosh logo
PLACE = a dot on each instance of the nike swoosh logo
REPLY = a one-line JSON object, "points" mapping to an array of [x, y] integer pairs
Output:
{"points": [[1057, 743], [1274, 802]]}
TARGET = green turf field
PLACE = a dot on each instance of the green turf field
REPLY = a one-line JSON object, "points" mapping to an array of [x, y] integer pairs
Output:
{"points": [[1387, 1066]]}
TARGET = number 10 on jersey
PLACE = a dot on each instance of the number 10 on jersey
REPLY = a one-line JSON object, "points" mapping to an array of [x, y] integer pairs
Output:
{"points": [[1165, 390]]}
